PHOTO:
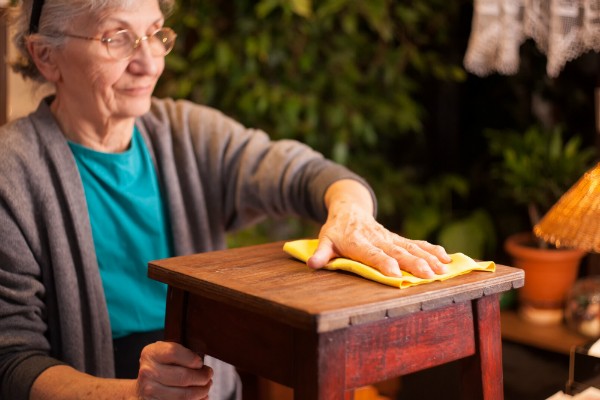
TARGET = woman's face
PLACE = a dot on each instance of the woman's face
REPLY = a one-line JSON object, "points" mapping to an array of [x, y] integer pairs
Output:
{"points": [[96, 86]]}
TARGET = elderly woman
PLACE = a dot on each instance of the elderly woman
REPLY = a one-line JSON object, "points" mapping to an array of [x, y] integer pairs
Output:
{"points": [[103, 177]]}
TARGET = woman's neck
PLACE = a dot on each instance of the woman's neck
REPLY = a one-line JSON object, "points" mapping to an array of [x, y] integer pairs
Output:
{"points": [[107, 135]]}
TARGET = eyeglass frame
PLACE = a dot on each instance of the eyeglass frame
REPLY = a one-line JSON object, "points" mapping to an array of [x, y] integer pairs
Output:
{"points": [[136, 42]]}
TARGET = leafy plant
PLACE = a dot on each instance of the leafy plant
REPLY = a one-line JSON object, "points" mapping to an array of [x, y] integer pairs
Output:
{"points": [[343, 76], [536, 167], [431, 216]]}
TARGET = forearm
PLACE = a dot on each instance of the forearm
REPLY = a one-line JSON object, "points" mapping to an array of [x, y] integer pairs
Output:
{"points": [[64, 383]]}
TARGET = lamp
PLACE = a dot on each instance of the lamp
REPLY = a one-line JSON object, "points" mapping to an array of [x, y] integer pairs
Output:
{"points": [[574, 221]]}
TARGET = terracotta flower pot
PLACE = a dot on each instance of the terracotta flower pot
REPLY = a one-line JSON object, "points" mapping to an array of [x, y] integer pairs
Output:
{"points": [[549, 275]]}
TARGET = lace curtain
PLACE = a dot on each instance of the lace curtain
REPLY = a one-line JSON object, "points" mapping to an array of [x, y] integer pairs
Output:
{"points": [[561, 29]]}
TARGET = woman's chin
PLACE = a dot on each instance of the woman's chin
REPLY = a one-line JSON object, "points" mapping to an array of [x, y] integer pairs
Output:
{"points": [[135, 108]]}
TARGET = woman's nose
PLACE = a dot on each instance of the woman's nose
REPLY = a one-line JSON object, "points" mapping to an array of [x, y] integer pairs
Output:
{"points": [[143, 62]]}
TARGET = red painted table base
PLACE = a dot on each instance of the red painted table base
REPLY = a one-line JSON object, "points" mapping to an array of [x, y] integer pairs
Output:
{"points": [[324, 350]]}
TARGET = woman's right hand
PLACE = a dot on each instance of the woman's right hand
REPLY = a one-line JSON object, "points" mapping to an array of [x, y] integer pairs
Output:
{"points": [[171, 371]]}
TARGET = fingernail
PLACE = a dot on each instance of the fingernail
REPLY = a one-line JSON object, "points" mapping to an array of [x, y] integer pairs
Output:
{"points": [[428, 274], [426, 271], [442, 268]]}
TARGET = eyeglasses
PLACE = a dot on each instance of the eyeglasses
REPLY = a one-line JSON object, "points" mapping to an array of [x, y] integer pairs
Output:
{"points": [[122, 44]]}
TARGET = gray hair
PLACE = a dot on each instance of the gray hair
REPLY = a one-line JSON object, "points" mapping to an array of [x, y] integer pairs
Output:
{"points": [[56, 14]]}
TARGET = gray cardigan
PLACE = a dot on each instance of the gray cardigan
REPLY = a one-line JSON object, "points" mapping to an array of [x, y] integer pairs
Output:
{"points": [[216, 176]]}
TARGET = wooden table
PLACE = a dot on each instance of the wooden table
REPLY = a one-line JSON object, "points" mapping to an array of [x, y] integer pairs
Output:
{"points": [[326, 333]]}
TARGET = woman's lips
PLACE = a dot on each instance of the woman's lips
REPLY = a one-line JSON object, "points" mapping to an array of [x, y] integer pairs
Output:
{"points": [[138, 90]]}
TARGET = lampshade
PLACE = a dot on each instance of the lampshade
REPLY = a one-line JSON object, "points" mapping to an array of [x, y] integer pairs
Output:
{"points": [[574, 221]]}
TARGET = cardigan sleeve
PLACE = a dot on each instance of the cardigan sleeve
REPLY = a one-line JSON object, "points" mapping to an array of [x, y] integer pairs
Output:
{"points": [[243, 174], [52, 307], [24, 348]]}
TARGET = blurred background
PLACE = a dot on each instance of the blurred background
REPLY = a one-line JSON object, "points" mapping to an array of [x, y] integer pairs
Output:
{"points": [[380, 86]]}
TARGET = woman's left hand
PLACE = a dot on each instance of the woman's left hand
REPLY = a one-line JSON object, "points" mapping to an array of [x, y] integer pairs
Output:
{"points": [[352, 232], [169, 370]]}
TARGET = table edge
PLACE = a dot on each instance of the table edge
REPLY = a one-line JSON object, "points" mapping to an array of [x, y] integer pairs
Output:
{"points": [[328, 321]]}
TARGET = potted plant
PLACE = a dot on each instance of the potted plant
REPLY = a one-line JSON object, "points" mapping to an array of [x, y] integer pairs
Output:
{"points": [[534, 169]]}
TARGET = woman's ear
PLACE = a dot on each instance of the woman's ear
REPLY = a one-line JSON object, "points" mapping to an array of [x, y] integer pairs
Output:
{"points": [[44, 57]]}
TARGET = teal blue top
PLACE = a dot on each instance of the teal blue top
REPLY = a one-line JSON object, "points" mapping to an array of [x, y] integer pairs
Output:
{"points": [[129, 228]]}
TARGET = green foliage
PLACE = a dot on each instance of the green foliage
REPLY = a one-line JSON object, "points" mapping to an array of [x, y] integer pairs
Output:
{"points": [[432, 206], [343, 76], [536, 167], [432, 217], [337, 75], [272, 231], [473, 235]]}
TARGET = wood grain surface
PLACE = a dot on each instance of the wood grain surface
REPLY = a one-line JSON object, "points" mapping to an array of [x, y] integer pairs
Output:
{"points": [[267, 281]]}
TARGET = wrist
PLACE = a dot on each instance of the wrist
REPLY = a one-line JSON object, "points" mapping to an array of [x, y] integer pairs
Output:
{"points": [[349, 194]]}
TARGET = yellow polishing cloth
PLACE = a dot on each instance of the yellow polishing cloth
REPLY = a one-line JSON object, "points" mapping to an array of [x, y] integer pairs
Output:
{"points": [[461, 264]]}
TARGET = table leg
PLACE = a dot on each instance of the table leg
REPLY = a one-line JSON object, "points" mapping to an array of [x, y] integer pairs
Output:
{"points": [[175, 315], [320, 366], [482, 373]]}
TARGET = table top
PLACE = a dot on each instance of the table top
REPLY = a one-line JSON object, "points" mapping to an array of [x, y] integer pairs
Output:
{"points": [[266, 280]]}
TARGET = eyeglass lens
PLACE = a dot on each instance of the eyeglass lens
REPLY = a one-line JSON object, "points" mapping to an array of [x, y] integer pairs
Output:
{"points": [[123, 44]]}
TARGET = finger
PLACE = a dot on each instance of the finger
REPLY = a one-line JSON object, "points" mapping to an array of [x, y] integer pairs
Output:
{"points": [[375, 257], [155, 390], [176, 376], [391, 259], [418, 263], [434, 256], [324, 253], [415, 265], [436, 250], [172, 353]]}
